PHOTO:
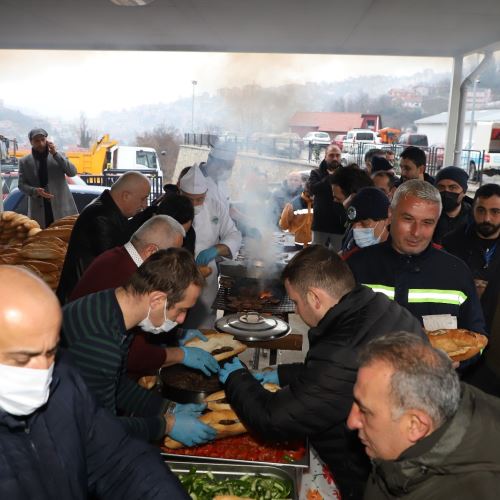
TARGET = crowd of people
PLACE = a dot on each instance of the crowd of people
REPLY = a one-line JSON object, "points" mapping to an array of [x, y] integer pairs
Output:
{"points": [[382, 259]]}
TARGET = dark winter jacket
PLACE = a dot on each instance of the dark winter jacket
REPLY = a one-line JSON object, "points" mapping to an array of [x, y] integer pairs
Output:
{"points": [[448, 224], [100, 226], [483, 259], [329, 216], [458, 461], [71, 448], [317, 395], [432, 282]]}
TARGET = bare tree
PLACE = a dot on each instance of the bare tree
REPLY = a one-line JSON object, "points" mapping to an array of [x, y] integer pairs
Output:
{"points": [[85, 134], [166, 140]]}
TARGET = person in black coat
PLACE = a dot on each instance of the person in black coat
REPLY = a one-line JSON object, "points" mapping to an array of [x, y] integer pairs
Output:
{"points": [[55, 441], [102, 225], [316, 395], [329, 217], [175, 205]]}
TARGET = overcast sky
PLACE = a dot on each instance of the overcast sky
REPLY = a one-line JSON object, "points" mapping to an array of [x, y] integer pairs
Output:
{"points": [[64, 83]]}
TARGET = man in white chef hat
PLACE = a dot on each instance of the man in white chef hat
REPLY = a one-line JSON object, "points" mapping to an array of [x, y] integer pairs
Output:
{"points": [[217, 170], [216, 236]]}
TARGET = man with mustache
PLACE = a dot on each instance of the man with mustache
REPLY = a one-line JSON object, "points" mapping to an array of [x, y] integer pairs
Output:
{"points": [[477, 245], [409, 269], [329, 217]]}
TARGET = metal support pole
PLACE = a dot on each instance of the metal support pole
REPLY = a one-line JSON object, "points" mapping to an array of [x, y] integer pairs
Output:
{"points": [[453, 111], [471, 124], [194, 82], [457, 159]]}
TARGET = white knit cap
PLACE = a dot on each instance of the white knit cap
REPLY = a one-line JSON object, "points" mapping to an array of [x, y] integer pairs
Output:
{"points": [[194, 182]]}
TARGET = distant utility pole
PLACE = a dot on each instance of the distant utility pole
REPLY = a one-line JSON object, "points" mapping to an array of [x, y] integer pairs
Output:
{"points": [[194, 82]]}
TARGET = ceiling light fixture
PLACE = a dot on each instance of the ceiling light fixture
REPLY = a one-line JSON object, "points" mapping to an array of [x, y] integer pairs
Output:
{"points": [[132, 3]]}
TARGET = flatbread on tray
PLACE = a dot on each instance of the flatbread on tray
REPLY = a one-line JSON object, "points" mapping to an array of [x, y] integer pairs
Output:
{"points": [[217, 400], [458, 343], [220, 345], [225, 422]]}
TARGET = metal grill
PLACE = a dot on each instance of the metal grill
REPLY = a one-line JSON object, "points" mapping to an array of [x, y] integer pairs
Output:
{"points": [[285, 306]]}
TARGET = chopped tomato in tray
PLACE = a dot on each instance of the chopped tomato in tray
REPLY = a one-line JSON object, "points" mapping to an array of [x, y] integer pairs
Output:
{"points": [[245, 448]]}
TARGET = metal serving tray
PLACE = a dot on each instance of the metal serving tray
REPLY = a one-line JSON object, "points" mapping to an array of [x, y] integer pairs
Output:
{"points": [[300, 465], [223, 471]]}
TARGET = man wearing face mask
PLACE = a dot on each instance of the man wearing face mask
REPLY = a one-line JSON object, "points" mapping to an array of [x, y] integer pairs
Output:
{"points": [[55, 441], [42, 177], [114, 268], [411, 270], [216, 236], [96, 331], [368, 214], [457, 207]]}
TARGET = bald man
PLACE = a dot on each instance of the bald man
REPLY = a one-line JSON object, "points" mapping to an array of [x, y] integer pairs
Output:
{"points": [[55, 442], [102, 225]]}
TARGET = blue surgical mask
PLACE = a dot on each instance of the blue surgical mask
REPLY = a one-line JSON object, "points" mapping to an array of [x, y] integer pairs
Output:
{"points": [[365, 236], [147, 325]]}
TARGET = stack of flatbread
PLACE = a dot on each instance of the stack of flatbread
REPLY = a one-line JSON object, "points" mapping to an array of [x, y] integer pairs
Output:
{"points": [[220, 415], [458, 343], [14, 229], [40, 251]]}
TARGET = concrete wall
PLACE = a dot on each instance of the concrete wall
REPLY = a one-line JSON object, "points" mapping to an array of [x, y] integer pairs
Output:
{"points": [[275, 168]]}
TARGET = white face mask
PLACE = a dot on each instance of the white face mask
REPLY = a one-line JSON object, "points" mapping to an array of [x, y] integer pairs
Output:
{"points": [[198, 209], [167, 325], [24, 390], [365, 236]]}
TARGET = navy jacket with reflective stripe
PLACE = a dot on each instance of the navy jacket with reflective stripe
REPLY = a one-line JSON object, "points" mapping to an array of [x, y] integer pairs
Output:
{"points": [[433, 282]]}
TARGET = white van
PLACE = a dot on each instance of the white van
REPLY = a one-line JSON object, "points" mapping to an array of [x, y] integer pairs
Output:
{"points": [[362, 135], [487, 139]]}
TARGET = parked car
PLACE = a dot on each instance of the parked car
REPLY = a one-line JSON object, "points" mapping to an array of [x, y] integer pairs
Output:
{"points": [[410, 139], [362, 135], [354, 152], [316, 139], [338, 140], [17, 201]]}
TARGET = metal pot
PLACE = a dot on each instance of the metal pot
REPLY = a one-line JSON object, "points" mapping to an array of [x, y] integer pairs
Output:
{"points": [[185, 385], [250, 326], [251, 269]]}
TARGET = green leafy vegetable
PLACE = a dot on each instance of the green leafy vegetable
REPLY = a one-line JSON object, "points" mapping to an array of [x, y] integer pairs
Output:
{"points": [[204, 486]]}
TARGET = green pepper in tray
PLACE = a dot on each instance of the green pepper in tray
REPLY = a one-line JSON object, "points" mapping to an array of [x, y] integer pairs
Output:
{"points": [[205, 486]]}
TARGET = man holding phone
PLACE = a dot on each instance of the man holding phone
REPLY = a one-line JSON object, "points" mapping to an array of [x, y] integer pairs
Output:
{"points": [[42, 177]]}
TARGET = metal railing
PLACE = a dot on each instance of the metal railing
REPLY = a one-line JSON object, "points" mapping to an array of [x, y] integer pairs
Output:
{"points": [[274, 145], [108, 180], [472, 161]]}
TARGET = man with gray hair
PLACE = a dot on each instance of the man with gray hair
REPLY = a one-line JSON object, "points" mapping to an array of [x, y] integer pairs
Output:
{"points": [[428, 435], [113, 268], [408, 268]]}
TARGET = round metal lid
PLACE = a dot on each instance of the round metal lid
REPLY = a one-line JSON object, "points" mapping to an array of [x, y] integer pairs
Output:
{"points": [[250, 326]]}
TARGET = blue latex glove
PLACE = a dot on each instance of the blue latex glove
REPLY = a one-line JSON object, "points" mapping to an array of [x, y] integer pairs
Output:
{"points": [[190, 335], [229, 368], [268, 377], [206, 256], [189, 430], [199, 359], [191, 408]]}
